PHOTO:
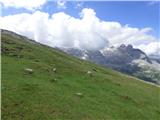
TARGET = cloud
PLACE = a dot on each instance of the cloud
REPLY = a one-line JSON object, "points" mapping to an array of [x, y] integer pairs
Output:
{"points": [[87, 32], [151, 48], [61, 4], [78, 4], [118, 34], [27, 4]]}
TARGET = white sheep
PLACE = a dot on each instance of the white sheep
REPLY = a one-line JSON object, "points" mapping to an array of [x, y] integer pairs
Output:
{"points": [[28, 70], [54, 69], [89, 73], [79, 94]]}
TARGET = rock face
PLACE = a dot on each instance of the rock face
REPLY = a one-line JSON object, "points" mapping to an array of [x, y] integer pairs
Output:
{"points": [[121, 58], [124, 58], [94, 56], [155, 58]]}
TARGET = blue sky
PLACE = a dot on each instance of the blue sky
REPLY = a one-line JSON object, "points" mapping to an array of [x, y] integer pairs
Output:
{"points": [[93, 25], [135, 14]]}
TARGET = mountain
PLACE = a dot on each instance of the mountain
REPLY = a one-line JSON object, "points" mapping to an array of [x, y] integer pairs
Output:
{"points": [[155, 58], [125, 59], [43, 83]]}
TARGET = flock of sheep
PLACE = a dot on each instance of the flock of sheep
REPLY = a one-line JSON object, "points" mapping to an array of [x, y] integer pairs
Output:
{"points": [[30, 71]]}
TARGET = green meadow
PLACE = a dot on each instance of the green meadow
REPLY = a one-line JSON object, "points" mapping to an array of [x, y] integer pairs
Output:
{"points": [[59, 87]]}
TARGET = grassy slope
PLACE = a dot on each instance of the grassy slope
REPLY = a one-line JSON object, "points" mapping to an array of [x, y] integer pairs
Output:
{"points": [[107, 94]]}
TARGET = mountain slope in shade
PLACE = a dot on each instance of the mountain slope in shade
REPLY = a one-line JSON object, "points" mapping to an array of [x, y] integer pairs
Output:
{"points": [[125, 59], [155, 58], [42, 83]]}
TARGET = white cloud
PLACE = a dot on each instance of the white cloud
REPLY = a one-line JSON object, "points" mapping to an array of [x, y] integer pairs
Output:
{"points": [[151, 48], [27, 4], [78, 4], [118, 34], [86, 32], [61, 4]]}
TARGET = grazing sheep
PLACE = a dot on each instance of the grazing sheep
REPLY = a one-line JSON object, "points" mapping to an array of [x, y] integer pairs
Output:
{"points": [[79, 94], [54, 69], [28, 70], [89, 73]]}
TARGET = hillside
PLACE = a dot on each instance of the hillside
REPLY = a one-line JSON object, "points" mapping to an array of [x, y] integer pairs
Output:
{"points": [[42, 83]]}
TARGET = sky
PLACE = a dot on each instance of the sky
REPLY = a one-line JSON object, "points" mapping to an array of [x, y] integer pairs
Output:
{"points": [[91, 25]]}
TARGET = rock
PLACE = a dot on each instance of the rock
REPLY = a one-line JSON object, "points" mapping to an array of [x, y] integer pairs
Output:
{"points": [[122, 46], [129, 47]]}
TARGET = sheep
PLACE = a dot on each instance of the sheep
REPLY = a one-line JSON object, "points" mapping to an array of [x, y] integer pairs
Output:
{"points": [[89, 73], [28, 70], [79, 94], [54, 69]]}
